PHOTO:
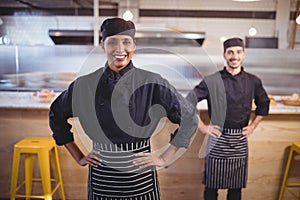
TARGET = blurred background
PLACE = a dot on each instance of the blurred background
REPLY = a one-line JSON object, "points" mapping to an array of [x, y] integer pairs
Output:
{"points": [[48, 43]]}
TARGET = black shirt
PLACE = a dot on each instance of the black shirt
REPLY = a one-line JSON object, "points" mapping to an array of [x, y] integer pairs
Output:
{"points": [[230, 97], [122, 108]]}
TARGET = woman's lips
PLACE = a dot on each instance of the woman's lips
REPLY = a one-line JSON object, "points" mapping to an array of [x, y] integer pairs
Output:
{"points": [[120, 57]]}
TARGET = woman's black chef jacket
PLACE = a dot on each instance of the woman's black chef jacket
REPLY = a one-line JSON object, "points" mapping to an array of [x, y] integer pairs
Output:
{"points": [[116, 108]]}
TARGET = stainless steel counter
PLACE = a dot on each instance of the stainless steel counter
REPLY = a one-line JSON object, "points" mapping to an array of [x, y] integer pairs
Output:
{"points": [[22, 100], [26, 100], [29, 68]]}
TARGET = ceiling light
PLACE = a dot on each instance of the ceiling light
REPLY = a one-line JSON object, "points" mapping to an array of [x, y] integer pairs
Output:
{"points": [[223, 38], [252, 31], [128, 15], [191, 35], [298, 20], [4, 39]]}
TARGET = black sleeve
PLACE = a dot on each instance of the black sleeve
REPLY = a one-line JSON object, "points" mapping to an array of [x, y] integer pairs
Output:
{"points": [[261, 99], [198, 93], [181, 112], [60, 112]]}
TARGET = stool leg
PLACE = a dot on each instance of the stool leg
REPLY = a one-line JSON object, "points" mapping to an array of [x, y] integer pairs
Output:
{"points": [[44, 163], [286, 173], [58, 173], [14, 174], [28, 160]]}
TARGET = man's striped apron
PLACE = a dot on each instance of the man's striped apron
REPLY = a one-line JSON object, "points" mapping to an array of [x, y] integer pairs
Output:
{"points": [[226, 163], [118, 179]]}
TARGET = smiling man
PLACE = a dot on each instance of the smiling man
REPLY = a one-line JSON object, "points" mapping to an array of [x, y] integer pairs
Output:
{"points": [[119, 107], [229, 94]]}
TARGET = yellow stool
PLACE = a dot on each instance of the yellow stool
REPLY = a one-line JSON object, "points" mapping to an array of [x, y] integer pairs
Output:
{"points": [[43, 147], [295, 148]]}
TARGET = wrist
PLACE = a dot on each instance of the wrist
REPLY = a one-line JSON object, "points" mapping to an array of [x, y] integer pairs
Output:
{"points": [[203, 129], [252, 126], [163, 158]]}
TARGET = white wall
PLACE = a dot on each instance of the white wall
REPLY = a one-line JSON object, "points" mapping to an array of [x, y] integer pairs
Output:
{"points": [[216, 28], [33, 30]]}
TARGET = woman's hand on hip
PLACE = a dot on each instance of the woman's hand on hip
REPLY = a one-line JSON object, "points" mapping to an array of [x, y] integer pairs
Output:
{"points": [[212, 130], [91, 159], [148, 159], [248, 130]]}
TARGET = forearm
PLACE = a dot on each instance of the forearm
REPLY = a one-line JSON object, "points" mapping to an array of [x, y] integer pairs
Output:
{"points": [[248, 130], [256, 121], [188, 125], [169, 153], [201, 125], [74, 151]]}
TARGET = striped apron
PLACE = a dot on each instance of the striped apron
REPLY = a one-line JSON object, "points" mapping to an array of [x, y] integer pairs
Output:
{"points": [[118, 179], [226, 163]]}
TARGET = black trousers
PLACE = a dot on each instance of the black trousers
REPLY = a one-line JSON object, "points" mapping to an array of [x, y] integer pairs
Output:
{"points": [[232, 194]]}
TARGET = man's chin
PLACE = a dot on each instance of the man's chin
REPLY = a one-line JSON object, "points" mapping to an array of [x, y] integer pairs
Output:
{"points": [[233, 67]]}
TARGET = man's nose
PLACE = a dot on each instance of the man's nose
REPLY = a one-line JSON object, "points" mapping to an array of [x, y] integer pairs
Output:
{"points": [[234, 54]]}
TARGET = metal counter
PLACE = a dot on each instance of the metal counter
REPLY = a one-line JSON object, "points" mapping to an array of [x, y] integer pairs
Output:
{"points": [[30, 68]]}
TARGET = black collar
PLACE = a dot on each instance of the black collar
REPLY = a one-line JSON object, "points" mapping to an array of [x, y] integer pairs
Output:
{"points": [[110, 74], [226, 73]]}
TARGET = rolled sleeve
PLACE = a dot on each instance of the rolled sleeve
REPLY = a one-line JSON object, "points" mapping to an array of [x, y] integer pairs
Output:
{"points": [[186, 117], [261, 100], [60, 112], [181, 112]]}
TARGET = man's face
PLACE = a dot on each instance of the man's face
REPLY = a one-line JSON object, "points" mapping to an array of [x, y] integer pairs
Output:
{"points": [[119, 50], [234, 56]]}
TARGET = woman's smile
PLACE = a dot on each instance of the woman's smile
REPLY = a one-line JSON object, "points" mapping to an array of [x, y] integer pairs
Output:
{"points": [[120, 58]]}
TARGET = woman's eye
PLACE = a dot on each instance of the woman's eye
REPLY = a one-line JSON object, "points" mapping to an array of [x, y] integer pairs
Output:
{"points": [[112, 42]]}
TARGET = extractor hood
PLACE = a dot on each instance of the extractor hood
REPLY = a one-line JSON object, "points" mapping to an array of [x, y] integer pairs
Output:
{"points": [[144, 38]]}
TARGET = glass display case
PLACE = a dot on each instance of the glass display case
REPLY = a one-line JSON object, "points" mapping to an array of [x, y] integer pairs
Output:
{"points": [[32, 68]]}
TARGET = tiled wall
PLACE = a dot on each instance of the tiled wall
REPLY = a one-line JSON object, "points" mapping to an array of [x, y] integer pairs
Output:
{"points": [[33, 30]]}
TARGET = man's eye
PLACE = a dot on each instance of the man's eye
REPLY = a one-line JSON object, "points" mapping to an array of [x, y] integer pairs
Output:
{"points": [[126, 42]]}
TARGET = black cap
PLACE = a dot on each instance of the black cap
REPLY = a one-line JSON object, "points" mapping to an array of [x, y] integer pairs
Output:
{"points": [[117, 26], [233, 42]]}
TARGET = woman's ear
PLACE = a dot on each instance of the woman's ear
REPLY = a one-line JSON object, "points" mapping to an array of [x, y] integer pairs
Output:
{"points": [[134, 41], [134, 46], [102, 45]]}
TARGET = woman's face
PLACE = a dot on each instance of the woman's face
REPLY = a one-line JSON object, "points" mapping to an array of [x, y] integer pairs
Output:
{"points": [[119, 50]]}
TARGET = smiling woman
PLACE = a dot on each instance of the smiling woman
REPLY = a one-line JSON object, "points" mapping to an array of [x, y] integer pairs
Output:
{"points": [[118, 42], [119, 50], [119, 107]]}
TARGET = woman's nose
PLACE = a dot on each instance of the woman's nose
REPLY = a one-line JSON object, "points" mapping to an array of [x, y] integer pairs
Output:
{"points": [[120, 46]]}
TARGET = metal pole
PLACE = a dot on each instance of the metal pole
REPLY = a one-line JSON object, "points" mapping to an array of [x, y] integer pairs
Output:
{"points": [[282, 23], [96, 23], [293, 42]]}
